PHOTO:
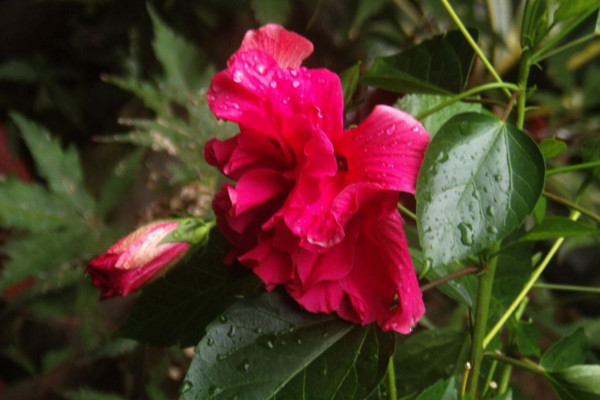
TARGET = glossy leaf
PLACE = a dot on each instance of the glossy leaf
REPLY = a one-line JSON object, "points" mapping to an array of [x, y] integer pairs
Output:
{"points": [[555, 227], [579, 382], [267, 348], [441, 390], [569, 351], [428, 356], [415, 104], [440, 65], [480, 178], [176, 309]]}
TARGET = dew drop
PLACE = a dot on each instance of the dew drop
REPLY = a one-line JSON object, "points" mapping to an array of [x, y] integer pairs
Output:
{"points": [[267, 342], [497, 177], [490, 211], [466, 233], [492, 229], [222, 318], [186, 387], [244, 366], [237, 76], [231, 332], [296, 84], [442, 157], [273, 84], [210, 341], [260, 69], [294, 73], [213, 389], [221, 357]]}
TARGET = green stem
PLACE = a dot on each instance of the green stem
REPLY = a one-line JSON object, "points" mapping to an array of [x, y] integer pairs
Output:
{"points": [[488, 380], [391, 380], [572, 205], [406, 211], [569, 168], [484, 295], [531, 367], [541, 53], [465, 94], [473, 44], [523, 77], [567, 46], [571, 288], [532, 280]]}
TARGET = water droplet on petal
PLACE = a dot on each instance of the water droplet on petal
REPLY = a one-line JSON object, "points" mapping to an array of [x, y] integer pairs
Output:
{"points": [[237, 76], [295, 84], [273, 84], [294, 73], [261, 69]]}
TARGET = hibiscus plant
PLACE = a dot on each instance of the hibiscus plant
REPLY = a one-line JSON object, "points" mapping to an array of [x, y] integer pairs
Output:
{"points": [[334, 209]]}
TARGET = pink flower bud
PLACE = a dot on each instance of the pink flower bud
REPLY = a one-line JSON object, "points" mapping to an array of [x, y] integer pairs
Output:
{"points": [[136, 259]]}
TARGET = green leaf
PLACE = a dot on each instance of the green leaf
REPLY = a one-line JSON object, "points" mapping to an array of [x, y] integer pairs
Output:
{"points": [[43, 253], [428, 356], [579, 382], [462, 289], [572, 8], [349, 79], [590, 151], [597, 28], [551, 148], [182, 62], [480, 178], [504, 396], [175, 310], [366, 9], [569, 351], [441, 390], [31, 207], [415, 104], [527, 338], [120, 181], [61, 168], [440, 65], [555, 227], [539, 211], [277, 11], [535, 23], [268, 348], [15, 70]]}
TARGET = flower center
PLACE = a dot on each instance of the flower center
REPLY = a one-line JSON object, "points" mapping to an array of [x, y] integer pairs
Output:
{"points": [[342, 164]]}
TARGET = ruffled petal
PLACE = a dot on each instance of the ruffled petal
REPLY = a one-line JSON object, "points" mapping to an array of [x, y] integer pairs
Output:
{"points": [[255, 83], [382, 285], [255, 188], [387, 148], [287, 48]]}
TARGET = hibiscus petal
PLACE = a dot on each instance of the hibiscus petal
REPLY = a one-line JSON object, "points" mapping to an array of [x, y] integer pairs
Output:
{"points": [[387, 148], [382, 285], [287, 48], [255, 188], [255, 83]]}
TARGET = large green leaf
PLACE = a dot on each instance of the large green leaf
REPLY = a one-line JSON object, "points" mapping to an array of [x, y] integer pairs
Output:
{"points": [[479, 179], [440, 65], [569, 351], [572, 8], [415, 104], [61, 168], [175, 310], [268, 348], [579, 382], [441, 390], [428, 356]]}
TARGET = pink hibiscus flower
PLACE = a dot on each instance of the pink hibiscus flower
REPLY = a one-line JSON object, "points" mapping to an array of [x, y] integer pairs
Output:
{"points": [[314, 205]]}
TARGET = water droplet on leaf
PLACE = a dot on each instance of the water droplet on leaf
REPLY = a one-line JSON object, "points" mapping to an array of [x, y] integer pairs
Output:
{"points": [[466, 233], [186, 386]]}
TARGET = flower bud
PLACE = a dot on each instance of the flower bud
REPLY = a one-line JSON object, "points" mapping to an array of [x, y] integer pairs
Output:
{"points": [[145, 255]]}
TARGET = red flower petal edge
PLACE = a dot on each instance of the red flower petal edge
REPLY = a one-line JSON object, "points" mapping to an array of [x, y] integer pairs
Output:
{"points": [[313, 207]]}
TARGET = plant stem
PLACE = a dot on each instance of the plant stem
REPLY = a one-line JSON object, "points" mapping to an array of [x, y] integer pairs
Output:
{"points": [[449, 277], [473, 44], [407, 212], [391, 380], [567, 46], [523, 77], [572, 205], [532, 280], [531, 367], [484, 295], [465, 94], [576, 167], [572, 288]]}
